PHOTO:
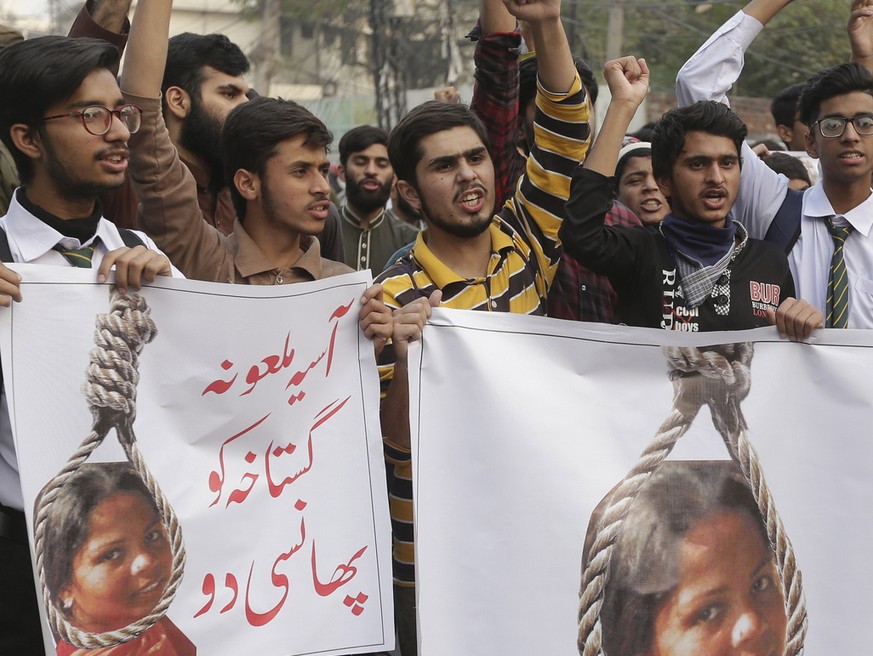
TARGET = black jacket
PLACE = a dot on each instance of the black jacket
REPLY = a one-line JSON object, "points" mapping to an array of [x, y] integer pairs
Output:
{"points": [[644, 275]]}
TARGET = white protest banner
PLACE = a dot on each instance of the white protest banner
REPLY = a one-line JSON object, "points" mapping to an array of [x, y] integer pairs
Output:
{"points": [[523, 426], [255, 410]]}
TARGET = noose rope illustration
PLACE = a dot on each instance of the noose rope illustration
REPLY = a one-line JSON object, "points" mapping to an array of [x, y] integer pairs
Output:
{"points": [[719, 377], [110, 389]]}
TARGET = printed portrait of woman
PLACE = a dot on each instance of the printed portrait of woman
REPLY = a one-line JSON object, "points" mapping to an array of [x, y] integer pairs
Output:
{"points": [[107, 560], [692, 573]]}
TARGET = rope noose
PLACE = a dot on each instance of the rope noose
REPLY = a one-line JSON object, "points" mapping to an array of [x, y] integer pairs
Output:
{"points": [[110, 389], [718, 377]]}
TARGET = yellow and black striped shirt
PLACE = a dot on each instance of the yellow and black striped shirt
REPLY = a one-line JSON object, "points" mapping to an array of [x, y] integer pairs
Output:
{"points": [[525, 251]]}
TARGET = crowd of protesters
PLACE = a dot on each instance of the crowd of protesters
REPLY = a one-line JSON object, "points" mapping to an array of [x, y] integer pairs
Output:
{"points": [[175, 166]]}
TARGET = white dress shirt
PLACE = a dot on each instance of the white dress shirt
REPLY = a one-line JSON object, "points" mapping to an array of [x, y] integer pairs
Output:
{"points": [[708, 75]]}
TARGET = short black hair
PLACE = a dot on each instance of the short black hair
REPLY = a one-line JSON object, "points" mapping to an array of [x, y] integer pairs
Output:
{"points": [[668, 135], [791, 167], [527, 81], [645, 132], [360, 138], [829, 82], [38, 73], [404, 142], [784, 105], [188, 53], [254, 129]]}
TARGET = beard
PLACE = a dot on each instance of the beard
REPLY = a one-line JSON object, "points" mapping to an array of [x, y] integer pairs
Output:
{"points": [[65, 178], [365, 200], [474, 228], [200, 135]]}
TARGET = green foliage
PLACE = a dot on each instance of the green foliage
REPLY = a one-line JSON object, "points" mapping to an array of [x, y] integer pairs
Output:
{"points": [[803, 38]]}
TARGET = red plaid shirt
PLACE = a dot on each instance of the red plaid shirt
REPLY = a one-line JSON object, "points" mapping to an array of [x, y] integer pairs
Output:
{"points": [[580, 294], [576, 292], [495, 102]]}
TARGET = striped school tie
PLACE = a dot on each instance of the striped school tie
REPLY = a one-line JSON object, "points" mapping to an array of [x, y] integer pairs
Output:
{"points": [[837, 303], [78, 257]]}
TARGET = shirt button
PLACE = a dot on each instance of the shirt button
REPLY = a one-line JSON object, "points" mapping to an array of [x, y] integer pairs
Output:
{"points": [[494, 304], [279, 280], [583, 287], [721, 299], [363, 246]]}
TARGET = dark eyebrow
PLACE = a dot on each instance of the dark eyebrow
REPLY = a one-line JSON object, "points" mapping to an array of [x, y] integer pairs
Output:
{"points": [[698, 157], [448, 159], [303, 164], [230, 87], [710, 158]]}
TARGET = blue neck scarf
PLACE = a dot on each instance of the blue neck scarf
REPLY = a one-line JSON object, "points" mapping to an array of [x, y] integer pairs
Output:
{"points": [[697, 240], [702, 254]]}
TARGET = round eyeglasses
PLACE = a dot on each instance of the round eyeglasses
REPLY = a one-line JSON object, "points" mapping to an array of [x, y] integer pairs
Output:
{"points": [[97, 119], [835, 126]]}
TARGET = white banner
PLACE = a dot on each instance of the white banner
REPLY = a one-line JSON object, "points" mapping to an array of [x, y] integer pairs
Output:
{"points": [[522, 426], [256, 411]]}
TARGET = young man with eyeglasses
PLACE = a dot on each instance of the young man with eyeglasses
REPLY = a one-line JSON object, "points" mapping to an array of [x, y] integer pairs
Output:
{"points": [[826, 230], [65, 123]]}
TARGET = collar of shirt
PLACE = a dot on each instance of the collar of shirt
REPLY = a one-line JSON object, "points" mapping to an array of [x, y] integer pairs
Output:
{"points": [[439, 273], [82, 229], [817, 205], [250, 259], [34, 238], [353, 219]]}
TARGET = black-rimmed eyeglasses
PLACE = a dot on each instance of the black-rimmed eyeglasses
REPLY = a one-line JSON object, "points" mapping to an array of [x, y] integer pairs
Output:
{"points": [[834, 126], [97, 119]]}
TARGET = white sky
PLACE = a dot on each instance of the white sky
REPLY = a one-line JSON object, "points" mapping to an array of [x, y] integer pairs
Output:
{"points": [[25, 7]]}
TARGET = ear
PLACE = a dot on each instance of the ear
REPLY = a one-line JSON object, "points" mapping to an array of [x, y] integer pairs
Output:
{"points": [[178, 102], [26, 139], [248, 184], [65, 596], [785, 132], [665, 184], [811, 148], [341, 172], [409, 193]]}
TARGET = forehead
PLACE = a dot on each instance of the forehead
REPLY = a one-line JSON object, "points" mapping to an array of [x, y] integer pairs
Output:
{"points": [[294, 149], [213, 78], [721, 537], [846, 104], [98, 88], [637, 164], [125, 503], [453, 142], [703, 144], [373, 151]]}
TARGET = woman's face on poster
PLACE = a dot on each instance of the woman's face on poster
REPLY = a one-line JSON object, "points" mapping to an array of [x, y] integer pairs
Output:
{"points": [[728, 601], [120, 572]]}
